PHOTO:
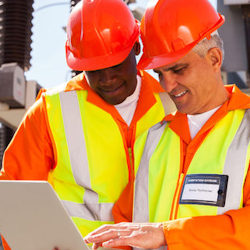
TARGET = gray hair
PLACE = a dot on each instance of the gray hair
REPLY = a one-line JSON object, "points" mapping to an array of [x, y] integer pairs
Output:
{"points": [[205, 45]]}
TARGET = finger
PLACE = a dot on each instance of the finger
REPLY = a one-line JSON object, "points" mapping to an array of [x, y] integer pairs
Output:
{"points": [[131, 241], [86, 240], [141, 238], [121, 241], [109, 232], [96, 246], [106, 228], [104, 236]]}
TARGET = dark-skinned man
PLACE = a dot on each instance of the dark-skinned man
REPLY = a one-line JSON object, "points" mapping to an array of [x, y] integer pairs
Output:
{"points": [[80, 136]]}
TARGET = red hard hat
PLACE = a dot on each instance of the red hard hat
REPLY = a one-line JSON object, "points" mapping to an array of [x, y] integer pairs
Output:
{"points": [[171, 28], [101, 34]]}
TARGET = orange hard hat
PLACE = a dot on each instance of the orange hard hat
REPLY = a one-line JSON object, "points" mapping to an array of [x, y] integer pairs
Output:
{"points": [[171, 28], [101, 34]]}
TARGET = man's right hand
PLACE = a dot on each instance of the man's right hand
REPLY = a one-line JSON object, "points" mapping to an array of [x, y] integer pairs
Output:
{"points": [[139, 235]]}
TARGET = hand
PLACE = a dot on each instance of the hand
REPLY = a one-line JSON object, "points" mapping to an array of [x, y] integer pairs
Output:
{"points": [[140, 235]]}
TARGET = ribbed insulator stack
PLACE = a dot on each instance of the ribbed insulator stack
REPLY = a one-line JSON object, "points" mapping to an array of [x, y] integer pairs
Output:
{"points": [[15, 32], [2, 144], [6, 134], [73, 3]]}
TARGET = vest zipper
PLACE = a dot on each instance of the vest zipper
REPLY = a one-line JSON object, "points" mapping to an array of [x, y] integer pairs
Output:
{"points": [[175, 206]]}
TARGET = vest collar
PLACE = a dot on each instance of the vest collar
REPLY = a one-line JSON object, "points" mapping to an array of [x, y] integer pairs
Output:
{"points": [[179, 122], [146, 99]]}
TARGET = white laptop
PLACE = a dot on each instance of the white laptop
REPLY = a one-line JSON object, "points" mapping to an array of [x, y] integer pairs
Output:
{"points": [[32, 217]]}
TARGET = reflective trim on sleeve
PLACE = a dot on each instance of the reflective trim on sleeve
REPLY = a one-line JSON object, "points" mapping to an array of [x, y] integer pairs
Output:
{"points": [[141, 206], [97, 212], [235, 164]]}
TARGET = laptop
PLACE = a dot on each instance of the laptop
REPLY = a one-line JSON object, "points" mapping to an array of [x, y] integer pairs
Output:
{"points": [[32, 217]]}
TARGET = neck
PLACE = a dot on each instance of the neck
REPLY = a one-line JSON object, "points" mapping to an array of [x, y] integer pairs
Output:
{"points": [[220, 97]]}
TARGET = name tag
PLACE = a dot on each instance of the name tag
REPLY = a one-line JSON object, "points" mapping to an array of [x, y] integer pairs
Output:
{"points": [[204, 189]]}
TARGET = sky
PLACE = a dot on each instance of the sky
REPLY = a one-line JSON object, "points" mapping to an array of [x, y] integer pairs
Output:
{"points": [[48, 64]]}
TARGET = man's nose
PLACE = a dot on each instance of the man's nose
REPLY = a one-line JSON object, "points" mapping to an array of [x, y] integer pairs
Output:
{"points": [[107, 75], [168, 81]]}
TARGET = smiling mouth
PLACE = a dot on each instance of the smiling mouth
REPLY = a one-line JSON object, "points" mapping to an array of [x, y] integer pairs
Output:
{"points": [[180, 94], [111, 90]]}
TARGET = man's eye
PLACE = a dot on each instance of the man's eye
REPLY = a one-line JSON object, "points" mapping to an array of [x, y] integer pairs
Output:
{"points": [[179, 70], [159, 74]]}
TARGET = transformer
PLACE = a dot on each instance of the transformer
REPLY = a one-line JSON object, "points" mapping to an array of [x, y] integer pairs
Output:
{"points": [[15, 32]]}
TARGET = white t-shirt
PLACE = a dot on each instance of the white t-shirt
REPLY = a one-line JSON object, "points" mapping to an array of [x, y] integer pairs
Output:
{"points": [[196, 122], [127, 108]]}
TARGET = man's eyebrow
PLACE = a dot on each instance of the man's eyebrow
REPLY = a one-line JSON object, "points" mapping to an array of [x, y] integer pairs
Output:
{"points": [[175, 67]]}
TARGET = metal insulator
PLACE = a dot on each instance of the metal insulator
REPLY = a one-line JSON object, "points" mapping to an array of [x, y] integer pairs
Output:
{"points": [[6, 134], [15, 32], [73, 3], [246, 16], [129, 1]]}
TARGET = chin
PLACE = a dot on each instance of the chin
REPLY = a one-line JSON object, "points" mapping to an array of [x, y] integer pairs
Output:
{"points": [[114, 101], [185, 109]]}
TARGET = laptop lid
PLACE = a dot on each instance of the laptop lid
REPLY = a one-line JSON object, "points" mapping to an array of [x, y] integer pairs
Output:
{"points": [[32, 217]]}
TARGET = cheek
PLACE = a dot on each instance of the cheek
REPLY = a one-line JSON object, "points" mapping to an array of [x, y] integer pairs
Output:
{"points": [[163, 85], [93, 86], [92, 81]]}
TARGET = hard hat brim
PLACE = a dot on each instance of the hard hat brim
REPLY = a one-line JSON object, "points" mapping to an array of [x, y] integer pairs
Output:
{"points": [[95, 63], [162, 60]]}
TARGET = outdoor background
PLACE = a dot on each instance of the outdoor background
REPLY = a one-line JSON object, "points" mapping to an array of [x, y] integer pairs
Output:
{"points": [[48, 65]]}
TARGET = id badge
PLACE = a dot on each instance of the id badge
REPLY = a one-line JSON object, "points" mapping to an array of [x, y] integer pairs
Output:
{"points": [[204, 189]]}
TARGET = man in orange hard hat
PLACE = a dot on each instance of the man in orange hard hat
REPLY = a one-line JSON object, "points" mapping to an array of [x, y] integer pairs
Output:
{"points": [[80, 136], [192, 185]]}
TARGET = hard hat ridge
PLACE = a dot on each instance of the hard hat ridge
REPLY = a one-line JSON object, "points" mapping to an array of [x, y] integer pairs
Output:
{"points": [[171, 28], [101, 34]]}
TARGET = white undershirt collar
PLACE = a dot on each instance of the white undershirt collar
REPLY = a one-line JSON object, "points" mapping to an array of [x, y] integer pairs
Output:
{"points": [[127, 108], [196, 122]]}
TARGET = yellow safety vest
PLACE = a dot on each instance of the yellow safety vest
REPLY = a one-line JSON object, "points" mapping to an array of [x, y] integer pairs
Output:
{"points": [[160, 185], [91, 158]]}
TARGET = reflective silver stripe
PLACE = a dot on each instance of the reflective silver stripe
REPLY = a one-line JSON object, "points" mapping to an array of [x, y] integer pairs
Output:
{"points": [[141, 206], [77, 150], [141, 203], [235, 164], [76, 143], [167, 103], [99, 212]]}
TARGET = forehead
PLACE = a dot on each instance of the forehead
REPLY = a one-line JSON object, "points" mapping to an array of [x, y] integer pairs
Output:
{"points": [[128, 62], [190, 58]]}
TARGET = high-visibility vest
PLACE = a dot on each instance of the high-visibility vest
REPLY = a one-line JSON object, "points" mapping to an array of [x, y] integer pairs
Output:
{"points": [[92, 160], [159, 178]]}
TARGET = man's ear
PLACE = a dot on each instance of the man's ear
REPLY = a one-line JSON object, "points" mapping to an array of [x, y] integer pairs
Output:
{"points": [[137, 48], [215, 58]]}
